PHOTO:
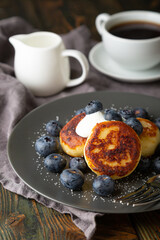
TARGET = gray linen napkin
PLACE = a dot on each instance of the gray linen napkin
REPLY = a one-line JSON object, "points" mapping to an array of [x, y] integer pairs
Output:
{"points": [[16, 101]]}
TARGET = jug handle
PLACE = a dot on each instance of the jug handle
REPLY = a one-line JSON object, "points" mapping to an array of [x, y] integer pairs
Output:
{"points": [[83, 62]]}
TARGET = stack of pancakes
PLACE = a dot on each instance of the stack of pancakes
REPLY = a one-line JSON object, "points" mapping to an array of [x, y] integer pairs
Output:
{"points": [[113, 148]]}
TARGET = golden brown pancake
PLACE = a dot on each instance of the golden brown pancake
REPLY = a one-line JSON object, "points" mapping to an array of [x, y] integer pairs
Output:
{"points": [[113, 148], [150, 137], [71, 142]]}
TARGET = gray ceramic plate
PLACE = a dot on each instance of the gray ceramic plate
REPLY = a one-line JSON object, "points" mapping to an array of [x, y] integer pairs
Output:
{"points": [[29, 166]]}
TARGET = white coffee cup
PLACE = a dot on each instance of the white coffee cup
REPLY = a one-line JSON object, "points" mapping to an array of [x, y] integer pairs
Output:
{"points": [[41, 63], [139, 54]]}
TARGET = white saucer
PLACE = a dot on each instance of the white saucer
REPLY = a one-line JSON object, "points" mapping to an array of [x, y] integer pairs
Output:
{"points": [[103, 63]]}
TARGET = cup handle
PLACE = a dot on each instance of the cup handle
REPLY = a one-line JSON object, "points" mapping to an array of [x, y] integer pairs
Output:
{"points": [[83, 62], [101, 19]]}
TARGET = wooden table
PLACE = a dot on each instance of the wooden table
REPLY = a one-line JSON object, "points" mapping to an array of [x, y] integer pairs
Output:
{"points": [[21, 218]]}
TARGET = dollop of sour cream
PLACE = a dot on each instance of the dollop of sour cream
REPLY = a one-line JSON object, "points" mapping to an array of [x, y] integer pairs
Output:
{"points": [[86, 125]]}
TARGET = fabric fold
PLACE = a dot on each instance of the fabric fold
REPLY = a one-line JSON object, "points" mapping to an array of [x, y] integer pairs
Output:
{"points": [[16, 101]]}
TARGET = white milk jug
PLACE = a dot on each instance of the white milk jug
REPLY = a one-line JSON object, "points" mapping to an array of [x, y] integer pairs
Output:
{"points": [[41, 63]]}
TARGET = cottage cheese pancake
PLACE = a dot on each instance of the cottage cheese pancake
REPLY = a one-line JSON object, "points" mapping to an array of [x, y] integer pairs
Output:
{"points": [[71, 142], [150, 137], [113, 148]]}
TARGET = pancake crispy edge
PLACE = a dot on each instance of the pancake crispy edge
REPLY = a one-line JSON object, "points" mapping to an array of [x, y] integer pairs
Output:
{"points": [[70, 141], [113, 148], [150, 137]]}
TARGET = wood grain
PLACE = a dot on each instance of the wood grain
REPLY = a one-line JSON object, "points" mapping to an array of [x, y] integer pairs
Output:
{"points": [[26, 219], [115, 226], [147, 225], [21, 218], [61, 16]]}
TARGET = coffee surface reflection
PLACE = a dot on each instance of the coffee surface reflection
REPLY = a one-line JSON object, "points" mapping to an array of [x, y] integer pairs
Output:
{"points": [[136, 30]]}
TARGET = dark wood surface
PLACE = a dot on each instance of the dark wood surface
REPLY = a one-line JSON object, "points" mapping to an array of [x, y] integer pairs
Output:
{"points": [[21, 218]]}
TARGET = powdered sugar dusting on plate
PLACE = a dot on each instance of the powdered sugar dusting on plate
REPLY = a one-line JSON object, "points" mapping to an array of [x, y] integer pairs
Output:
{"points": [[122, 186]]}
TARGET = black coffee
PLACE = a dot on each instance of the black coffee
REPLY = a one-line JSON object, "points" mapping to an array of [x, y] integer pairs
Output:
{"points": [[136, 30]]}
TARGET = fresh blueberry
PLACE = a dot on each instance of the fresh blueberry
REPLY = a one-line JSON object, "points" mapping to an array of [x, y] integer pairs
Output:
{"points": [[79, 163], [72, 178], [126, 113], [103, 185], [157, 122], [135, 124], [93, 106], [55, 163], [141, 112], [46, 145], [156, 165], [53, 127], [82, 110], [111, 114], [144, 164]]}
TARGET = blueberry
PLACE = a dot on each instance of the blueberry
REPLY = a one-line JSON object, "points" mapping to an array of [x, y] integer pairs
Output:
{"points": [[72, 178], [141, 112], [156, 165], [53, 127], [126, 113], [93, 106], [103, 185], [55, 163], [157, 122], [135, 124], [82, 110], [79, 163], [144, 164], [46, 145], [111, 114]]}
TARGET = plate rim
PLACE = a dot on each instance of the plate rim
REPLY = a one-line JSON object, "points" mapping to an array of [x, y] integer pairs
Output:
{"points": [[46, 104]]}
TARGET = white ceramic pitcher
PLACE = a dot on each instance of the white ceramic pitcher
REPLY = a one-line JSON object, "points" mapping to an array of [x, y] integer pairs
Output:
{"points": [[41, 63]]}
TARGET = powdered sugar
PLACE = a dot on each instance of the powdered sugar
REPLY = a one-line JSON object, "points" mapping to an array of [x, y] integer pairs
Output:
{"points": [[122, 186]]}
